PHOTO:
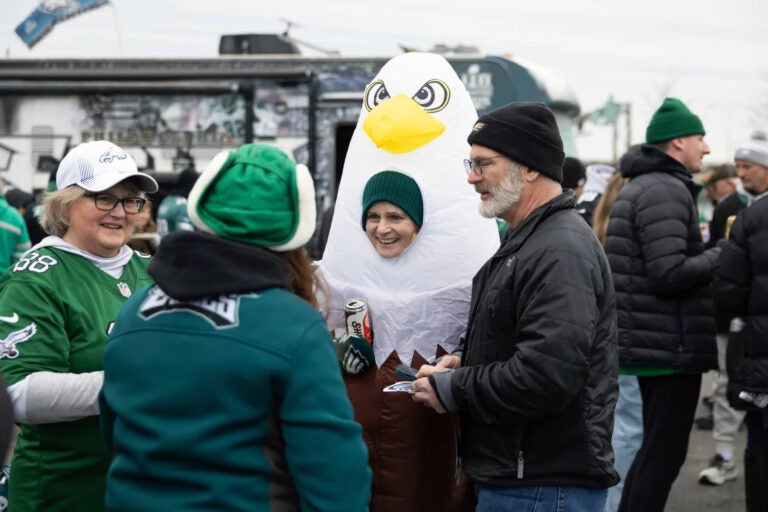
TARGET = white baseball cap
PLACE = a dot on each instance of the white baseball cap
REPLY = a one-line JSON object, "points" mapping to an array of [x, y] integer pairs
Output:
{"points": [[99, 165]]}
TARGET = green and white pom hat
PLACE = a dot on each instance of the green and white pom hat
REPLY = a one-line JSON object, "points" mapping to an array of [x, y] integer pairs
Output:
{"points": [[255, 195]]}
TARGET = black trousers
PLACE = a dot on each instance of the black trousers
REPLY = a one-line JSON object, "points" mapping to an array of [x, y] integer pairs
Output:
{"points": [[756, 462], [669, 404]]}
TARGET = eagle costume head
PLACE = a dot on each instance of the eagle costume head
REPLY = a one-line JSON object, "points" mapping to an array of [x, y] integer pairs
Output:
{"points": [[415, 119]]}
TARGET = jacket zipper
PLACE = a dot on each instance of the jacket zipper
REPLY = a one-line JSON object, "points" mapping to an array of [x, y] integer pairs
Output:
{"points": [[520, 455]]}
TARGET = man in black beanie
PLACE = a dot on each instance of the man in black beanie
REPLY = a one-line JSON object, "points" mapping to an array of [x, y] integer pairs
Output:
{"points": [[574, 176], [535, 384]]}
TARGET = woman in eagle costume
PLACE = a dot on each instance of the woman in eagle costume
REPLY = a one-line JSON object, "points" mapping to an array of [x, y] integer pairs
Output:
{"points": [[415, 120]]}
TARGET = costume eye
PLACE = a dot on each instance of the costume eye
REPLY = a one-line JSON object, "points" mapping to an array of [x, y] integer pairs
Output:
{"points": [[375, 93], [433, 96]]}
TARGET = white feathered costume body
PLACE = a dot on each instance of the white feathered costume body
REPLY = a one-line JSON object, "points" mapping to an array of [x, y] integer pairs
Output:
{"points": [[415, 119]]}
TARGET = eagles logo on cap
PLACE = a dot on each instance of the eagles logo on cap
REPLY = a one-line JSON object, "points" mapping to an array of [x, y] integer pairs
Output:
{"points": [[478, 127], [112, 154]]}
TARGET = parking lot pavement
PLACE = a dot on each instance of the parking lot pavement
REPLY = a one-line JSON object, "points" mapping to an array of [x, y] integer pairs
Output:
{"points": [[688, 494]]}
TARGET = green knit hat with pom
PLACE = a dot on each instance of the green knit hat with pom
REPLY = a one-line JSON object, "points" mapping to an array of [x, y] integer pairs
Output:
{"points": [[396, 188], [255, 195]]}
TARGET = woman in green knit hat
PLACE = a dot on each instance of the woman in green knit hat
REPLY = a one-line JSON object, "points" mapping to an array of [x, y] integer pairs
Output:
{"points": [[392, 212]]}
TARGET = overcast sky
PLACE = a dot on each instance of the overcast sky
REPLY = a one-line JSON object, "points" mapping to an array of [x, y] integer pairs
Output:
{"points": [[712, 54]]}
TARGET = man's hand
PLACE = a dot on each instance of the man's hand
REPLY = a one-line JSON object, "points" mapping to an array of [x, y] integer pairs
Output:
{"points": [[447, 362], [426, 395]]}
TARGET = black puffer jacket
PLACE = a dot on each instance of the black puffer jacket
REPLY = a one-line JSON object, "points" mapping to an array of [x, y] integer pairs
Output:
{"points": [[538, 382], [741, 289], [661, 271]]}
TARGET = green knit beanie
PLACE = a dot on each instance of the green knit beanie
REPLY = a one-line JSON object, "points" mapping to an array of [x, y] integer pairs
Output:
{"points": [[255, 195], [396, 188], [672, 120]]}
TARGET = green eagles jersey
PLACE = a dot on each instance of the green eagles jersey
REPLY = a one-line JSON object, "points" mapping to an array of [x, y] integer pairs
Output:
{"points": [[56, 309], [14, 239], [172, 216]]}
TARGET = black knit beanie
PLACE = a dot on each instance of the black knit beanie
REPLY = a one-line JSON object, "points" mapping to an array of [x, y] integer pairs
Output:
{"points": [[526, 133]]}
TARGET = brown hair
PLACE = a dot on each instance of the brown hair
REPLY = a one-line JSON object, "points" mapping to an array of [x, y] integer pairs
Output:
{"points": [[302, 278], [603, 209]]}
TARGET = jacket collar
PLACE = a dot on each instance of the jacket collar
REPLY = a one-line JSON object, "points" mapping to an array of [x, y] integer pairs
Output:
{"points": [[516, 237]]}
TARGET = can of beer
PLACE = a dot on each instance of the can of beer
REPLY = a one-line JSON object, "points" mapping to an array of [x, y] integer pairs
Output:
{"points": [[357, 320], [728, 223]]}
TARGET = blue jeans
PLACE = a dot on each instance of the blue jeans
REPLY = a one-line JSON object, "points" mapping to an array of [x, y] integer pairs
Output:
{"points": [[540, 499], [627, 434]]}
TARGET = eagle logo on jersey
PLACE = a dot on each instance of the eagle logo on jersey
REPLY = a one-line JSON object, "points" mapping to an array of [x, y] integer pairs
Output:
{"points": [[8, 348], [221, 312]]}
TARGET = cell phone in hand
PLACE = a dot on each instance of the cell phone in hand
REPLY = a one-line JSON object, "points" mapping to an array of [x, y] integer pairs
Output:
{"points": [[404, 386], [406, 371]]}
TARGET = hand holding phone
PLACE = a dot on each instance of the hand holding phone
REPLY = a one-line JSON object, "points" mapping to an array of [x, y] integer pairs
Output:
{"points": [[406, 371]]}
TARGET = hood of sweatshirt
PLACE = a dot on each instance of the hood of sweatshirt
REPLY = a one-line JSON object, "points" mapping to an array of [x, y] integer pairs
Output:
{"points": [[191, 265]]}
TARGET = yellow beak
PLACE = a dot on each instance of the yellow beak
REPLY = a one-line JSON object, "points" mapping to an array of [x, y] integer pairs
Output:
{"points": [[400, 125]]}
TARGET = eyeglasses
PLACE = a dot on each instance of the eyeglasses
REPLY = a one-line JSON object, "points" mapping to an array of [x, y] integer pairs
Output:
{"points": [[476, 166], [107, 202]]}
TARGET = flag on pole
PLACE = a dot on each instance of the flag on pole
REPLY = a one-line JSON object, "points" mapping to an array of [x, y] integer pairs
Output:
{"points": [[48, 13], [607, 114]]}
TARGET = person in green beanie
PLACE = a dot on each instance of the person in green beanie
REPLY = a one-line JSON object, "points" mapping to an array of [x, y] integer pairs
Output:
{"points": [[222, 389], [662, 274], [392, 212]]}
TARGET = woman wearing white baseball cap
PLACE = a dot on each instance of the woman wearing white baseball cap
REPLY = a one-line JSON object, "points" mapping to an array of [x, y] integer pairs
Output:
{"points": [[57, 305]]}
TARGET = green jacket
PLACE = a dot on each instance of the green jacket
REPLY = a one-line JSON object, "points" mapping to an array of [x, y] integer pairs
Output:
{"points": [[226, 401], [14, 239]]}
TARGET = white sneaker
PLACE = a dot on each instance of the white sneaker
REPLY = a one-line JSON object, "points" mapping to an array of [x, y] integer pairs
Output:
{"points": [[721, 471]]}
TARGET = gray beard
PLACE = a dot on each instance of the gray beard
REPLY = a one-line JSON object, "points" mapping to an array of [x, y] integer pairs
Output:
{"points": [[504, 195]]}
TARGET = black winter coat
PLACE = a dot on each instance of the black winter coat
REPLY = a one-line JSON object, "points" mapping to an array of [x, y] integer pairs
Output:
{"points": [[538, 381], [741, 289], [660, 268], [730, 205]]}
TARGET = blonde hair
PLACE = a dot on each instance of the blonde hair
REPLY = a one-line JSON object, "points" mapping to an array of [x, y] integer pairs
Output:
{"points": [[55, 219], [603, 209]]}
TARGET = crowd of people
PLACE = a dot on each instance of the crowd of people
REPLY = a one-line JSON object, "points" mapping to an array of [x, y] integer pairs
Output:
{"points": [[560, 364]]}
